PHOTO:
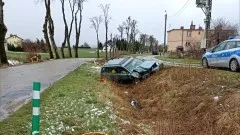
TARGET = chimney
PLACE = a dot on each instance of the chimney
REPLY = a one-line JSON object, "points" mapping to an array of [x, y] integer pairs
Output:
{"points": [[192, 27], [182, 27]]}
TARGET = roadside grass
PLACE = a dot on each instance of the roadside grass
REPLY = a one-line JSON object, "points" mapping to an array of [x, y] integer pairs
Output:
{"points": [[179, 100], [179, 60], [82, 53], [23, 56], [73, 105]]}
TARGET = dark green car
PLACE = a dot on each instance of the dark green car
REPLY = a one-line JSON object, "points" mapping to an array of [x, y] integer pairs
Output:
{"points": [[129, 69]]}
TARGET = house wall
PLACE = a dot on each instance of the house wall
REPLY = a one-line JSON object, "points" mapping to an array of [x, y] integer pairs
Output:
{"points": [[179, 37], [14, 40]]}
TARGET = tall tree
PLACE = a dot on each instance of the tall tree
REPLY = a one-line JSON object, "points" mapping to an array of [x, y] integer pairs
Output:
{"points": [[51, 30], [3, 31], [121, 30], [68, 29], [221, 30], [107, 19], [45, 31], [78, 24], [96, 21], [128, 27], [143, 41], [151, 42]]}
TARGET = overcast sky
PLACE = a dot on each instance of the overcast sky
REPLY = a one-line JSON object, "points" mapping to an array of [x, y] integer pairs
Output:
{"points": [[25, 17]]}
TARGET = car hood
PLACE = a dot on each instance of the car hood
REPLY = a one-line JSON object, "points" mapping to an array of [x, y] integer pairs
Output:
{"points": [[147, 64]]}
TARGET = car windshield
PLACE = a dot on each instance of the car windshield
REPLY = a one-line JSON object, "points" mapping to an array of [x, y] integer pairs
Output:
{"points": [[133, 64]]}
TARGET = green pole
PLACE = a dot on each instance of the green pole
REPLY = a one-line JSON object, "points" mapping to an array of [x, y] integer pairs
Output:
{"points": [[36, 108]]}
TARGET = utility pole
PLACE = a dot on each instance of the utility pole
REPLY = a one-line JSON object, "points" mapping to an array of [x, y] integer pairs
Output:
{"points": [[165, 32], [206, 6]]}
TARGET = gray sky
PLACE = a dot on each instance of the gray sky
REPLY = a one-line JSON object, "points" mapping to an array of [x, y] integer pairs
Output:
{"points": [[25, 17]]}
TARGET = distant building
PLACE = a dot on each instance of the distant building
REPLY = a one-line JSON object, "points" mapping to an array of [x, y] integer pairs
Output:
{"points": [[14, 40], [181, 39]]}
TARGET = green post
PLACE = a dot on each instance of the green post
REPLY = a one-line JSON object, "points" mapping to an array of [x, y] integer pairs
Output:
{"points": [[36, 108]]}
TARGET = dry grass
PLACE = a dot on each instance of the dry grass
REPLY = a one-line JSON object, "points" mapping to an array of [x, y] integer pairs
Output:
{"points": [[179, 101]]}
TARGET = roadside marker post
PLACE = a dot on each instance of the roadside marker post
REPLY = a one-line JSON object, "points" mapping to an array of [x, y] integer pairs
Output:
{"points": [[36, 108]]}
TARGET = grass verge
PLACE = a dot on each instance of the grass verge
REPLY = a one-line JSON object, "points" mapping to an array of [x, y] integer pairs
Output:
{"points": [[179, 60], [73, 105]]}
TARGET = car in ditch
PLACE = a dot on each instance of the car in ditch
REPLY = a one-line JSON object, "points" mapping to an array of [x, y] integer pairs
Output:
{"points": [[224, 55], [129, 69]]}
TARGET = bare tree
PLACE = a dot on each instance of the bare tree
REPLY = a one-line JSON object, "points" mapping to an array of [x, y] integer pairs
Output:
{"points": [[96, 21], [105, 9], [152, 40], [121, 30], [48, 30], [3, 31], [45, 31], [51, 30], [68, 29], [221, 30], [78, 24], [143, 41]]}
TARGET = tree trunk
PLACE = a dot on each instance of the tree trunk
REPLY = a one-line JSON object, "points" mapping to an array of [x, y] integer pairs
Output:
{"points": [[45, 32], [51, 30], [3, 31], [98, 56], [106, 42], [46, 37]]}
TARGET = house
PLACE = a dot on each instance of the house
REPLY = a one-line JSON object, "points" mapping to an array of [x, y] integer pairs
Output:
{"points": [[181, 39], [14, 40]]}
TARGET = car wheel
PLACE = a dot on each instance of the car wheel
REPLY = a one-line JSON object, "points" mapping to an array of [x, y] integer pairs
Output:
{"points": [[234, 65], [205, 63]]}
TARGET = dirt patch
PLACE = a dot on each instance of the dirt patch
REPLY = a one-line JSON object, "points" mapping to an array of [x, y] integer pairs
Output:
{"points": [[180, 101]]}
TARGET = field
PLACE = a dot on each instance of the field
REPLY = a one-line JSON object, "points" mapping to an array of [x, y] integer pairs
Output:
{"points": [[83, 53], [179, 60]]}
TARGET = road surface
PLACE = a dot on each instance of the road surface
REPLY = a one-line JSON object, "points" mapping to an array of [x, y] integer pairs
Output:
{"points": [[16, 82]]}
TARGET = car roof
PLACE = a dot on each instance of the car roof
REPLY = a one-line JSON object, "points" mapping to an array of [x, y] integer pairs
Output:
{"points": [[232, 40], [118, 61]]}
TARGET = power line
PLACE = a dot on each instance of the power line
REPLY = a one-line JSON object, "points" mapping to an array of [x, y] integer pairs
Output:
{"points": [[182, 9]]}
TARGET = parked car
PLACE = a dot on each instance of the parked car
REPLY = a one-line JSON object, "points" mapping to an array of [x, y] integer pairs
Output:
{"points": [[129, 69], [225, 55], [154, 52]]}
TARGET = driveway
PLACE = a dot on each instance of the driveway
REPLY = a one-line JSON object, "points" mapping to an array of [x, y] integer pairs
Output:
{"points": [[16, 82]]}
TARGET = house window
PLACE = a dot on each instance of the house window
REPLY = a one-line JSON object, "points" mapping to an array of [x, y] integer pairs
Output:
{"points": [[189, 33], [187, 43]]}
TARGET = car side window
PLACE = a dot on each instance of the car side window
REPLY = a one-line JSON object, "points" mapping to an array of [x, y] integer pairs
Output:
{"points": [[237, 44], [230, 45], [220, 47]]}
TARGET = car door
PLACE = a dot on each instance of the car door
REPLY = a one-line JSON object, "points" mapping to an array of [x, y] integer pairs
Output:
{"points": [[214, 55], [225, 55]]}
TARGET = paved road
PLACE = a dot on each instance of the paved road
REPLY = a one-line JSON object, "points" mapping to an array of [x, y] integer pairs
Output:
{"points": [[16, 82]]}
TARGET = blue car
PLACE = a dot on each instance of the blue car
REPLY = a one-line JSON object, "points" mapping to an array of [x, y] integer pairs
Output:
{"points": [[224, 55], [129, 69]]}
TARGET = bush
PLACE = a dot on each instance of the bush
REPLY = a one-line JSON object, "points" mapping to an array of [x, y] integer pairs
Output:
{"points": [[14, 49]]}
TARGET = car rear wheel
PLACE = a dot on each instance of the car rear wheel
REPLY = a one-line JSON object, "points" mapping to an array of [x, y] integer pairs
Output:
{"points": [[205, 63], [234, 65]]}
